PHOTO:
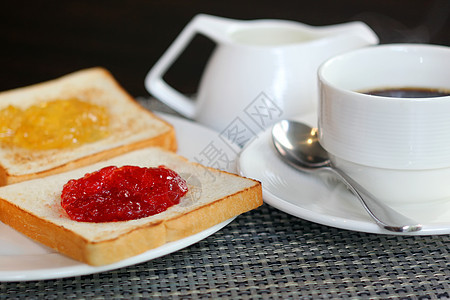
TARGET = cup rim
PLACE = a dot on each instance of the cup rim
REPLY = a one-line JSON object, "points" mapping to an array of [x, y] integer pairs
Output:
{"points": [[403, 47]]}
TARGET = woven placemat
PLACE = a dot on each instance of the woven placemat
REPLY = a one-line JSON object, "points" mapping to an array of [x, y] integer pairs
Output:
{"points": [[268, 254]]}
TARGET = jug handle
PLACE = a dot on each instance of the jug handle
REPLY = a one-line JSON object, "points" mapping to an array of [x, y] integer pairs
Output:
{"points": [[210, 26]]}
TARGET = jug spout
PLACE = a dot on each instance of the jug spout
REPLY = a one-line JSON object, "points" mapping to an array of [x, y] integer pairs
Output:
{"points": [[355, 30]]}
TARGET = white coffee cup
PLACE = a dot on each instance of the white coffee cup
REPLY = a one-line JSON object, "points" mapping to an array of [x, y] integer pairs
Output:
{"points": [[398, 148], [260, 71]]}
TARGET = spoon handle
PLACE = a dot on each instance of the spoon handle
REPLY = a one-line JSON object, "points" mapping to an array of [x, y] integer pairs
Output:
{"points": [[385, 216]]}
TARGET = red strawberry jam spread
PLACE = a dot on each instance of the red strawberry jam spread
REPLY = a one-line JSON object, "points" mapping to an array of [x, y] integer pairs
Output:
{"points": [[120, 194]]}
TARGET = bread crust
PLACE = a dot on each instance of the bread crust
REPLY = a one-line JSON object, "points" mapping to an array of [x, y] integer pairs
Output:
{"points": [[43, 231], [166, 140], [214, 213]]}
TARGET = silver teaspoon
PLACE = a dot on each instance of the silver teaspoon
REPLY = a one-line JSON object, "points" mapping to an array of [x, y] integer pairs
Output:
{"points": [[298, 145]]}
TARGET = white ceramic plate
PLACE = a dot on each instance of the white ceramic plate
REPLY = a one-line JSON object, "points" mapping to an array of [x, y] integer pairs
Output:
{"points": [[22, 259], [328, 203]]}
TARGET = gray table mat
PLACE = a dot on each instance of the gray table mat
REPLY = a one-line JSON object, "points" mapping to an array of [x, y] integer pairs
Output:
{"points": [[268, 254]]}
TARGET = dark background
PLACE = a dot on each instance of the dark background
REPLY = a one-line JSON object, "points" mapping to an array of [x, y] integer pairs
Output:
{"points": [[41, 40]]}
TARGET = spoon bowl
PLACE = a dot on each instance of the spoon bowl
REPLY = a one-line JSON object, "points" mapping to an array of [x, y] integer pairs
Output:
{"points": [[298, 145]]}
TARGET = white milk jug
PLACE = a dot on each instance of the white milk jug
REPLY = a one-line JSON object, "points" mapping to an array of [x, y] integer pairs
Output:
{"points": [[260, 71]]}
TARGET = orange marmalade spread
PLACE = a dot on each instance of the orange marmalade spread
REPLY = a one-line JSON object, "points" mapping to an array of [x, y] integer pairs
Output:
{"points": [[54, 124], [120, 194]]}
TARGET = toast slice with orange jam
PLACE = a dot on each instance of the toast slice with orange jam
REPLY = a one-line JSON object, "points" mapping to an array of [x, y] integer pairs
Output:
{"points": [[48, 128]]}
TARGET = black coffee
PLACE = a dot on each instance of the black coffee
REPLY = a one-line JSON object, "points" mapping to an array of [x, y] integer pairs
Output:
{"points": [[408, 92]]}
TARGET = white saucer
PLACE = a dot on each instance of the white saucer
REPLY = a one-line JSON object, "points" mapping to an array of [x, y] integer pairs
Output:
{"points": [[328, 203], [22, 259]]}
